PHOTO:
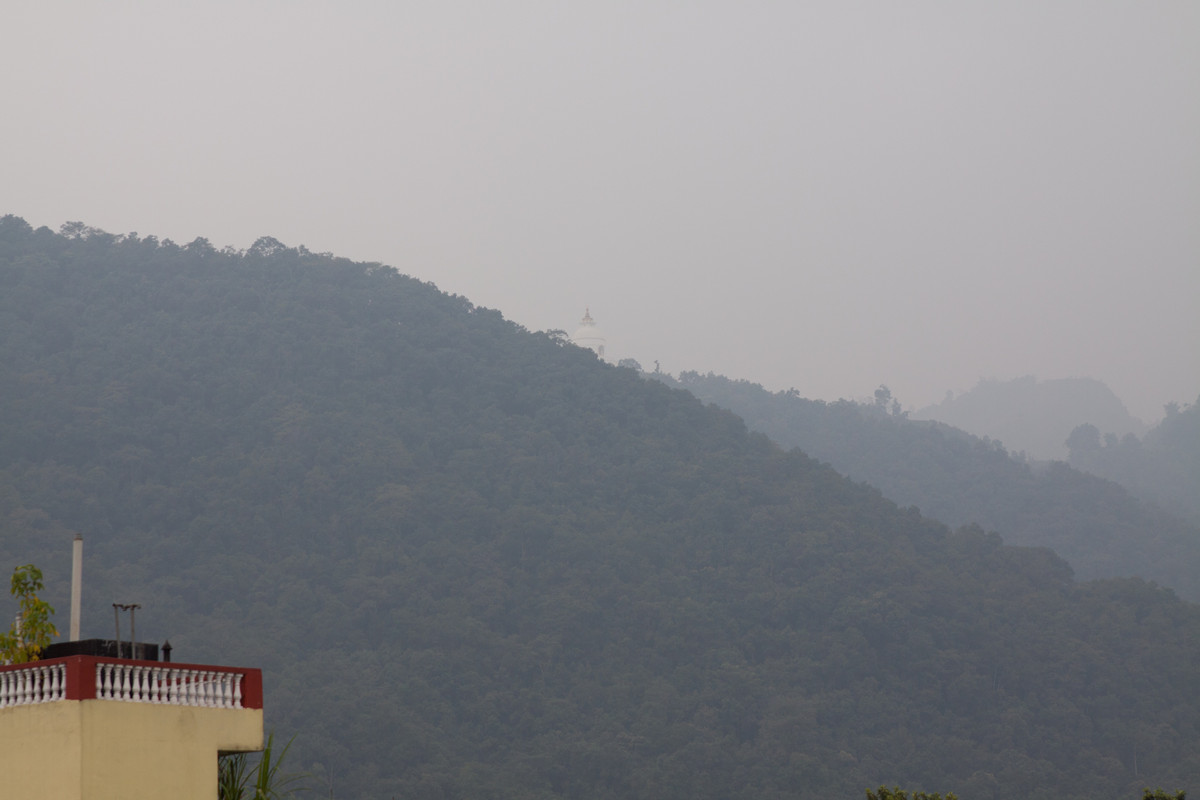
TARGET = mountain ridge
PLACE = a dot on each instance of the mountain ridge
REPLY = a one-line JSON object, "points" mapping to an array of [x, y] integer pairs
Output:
{"points": [[959, 478], [1034, 416], [473, 561]]}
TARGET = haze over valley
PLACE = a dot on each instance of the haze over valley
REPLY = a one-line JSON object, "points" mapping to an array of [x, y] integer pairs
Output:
{"points": [[828, 196]]}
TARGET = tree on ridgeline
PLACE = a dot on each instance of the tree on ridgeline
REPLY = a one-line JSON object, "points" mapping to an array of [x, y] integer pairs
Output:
{"points": [[896, 793]]}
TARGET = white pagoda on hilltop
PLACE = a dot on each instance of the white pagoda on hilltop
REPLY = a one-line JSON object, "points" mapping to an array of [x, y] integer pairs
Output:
{"points": [[588, 335]]}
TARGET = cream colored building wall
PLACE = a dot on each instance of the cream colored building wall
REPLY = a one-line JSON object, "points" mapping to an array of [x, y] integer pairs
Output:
{"points": [[40, 750], [108, 750]]}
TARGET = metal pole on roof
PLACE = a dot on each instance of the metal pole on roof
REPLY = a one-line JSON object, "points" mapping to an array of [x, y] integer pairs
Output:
{"points": [[133, 631], [132, 609], [117, 621]]}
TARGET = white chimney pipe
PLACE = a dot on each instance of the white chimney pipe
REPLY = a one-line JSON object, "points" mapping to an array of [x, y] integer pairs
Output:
{"points": [[76, 586]]}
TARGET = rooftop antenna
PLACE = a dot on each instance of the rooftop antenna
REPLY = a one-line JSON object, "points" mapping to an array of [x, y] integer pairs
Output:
{"points": [[77, 587], [132, 609]]}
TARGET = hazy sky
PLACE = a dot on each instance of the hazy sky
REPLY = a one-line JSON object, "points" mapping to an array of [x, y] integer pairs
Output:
{"points": [[825, 195]]}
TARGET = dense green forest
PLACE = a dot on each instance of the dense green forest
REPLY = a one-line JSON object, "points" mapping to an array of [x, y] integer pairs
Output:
{"points": [[1163, 467], [474, 562], [960, 479]]}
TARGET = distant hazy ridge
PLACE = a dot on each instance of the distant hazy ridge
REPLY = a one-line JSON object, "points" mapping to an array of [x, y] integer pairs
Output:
{"points": [[1095, 524], [1032, 416]]}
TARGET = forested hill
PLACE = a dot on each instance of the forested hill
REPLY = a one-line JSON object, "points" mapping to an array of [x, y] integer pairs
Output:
{"points": [[476, 563], [952, 476], [1162, 467]]}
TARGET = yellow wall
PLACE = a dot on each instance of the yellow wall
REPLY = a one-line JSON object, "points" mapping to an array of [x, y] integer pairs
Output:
{"points": [[109, 750], [40, 750]]}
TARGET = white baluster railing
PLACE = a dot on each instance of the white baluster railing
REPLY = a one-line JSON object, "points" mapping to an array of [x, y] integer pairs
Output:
{"points": [[135, 683], [37, 683], [126, 682]]}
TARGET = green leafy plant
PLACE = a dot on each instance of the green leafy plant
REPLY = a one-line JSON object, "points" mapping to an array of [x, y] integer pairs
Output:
{"points": [[1159, 794], [239, 780], [24, 644], [232, 777]]}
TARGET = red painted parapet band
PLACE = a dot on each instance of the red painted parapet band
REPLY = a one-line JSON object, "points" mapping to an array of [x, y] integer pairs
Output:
{"points": [[81, 677], [252, 689]]}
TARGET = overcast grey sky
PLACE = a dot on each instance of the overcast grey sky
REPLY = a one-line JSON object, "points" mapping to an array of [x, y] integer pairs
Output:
{"points": [[825, 195]]}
